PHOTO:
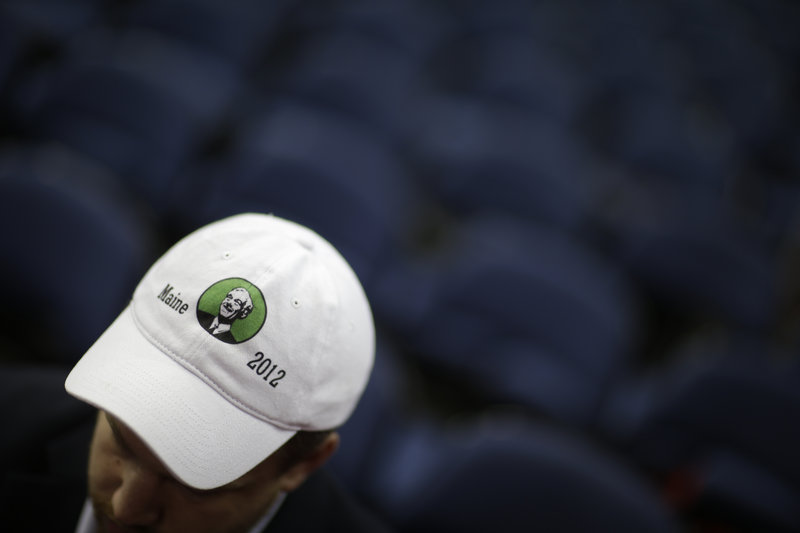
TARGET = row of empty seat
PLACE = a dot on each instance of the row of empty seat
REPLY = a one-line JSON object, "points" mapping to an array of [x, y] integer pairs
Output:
{"points": [[576, 223]]}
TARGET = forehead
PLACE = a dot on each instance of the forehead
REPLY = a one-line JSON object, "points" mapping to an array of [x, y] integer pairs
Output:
{"points": [[238, 293]]}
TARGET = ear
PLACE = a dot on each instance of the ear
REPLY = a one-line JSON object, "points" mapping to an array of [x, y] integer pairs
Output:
{"points": [[299, 472]]}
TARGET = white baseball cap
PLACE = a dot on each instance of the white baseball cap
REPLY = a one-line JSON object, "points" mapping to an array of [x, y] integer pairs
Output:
{"points": [[244, 332]]}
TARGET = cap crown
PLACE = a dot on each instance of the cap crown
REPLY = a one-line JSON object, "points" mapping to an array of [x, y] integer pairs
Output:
{"points": [[268, 314]]}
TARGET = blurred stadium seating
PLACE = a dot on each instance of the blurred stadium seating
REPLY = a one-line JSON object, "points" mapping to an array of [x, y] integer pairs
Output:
{"points": [[584, 213]]}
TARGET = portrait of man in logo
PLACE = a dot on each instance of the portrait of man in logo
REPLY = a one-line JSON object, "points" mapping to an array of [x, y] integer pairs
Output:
{"points": [[232, 310]]}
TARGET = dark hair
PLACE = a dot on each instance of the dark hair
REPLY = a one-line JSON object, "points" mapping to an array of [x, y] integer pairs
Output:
{"points": [[300, 446]]}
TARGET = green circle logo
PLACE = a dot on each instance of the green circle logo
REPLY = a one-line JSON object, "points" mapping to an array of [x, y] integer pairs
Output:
{"points": [[232, 310]]}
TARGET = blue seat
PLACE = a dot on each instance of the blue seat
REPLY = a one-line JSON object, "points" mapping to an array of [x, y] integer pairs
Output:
{"points": [[75, 250], [717, 427], [12, 43], [319, 169], [516, 69], [142, 140], [736, 491], [745, 81], [679, 149], [414, 27], [512, 62], [523, 314], [33, 402], [513, 475], [477, 156], [741, 402], [701, 263], [363, 76], [52, 20], [173, 97], [238, 32]]}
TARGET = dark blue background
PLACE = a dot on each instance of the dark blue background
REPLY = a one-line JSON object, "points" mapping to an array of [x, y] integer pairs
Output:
{"points": [[578, 224]]}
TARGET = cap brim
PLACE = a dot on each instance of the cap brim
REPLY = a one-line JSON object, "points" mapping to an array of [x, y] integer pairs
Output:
{"points": [[202, 439]]}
